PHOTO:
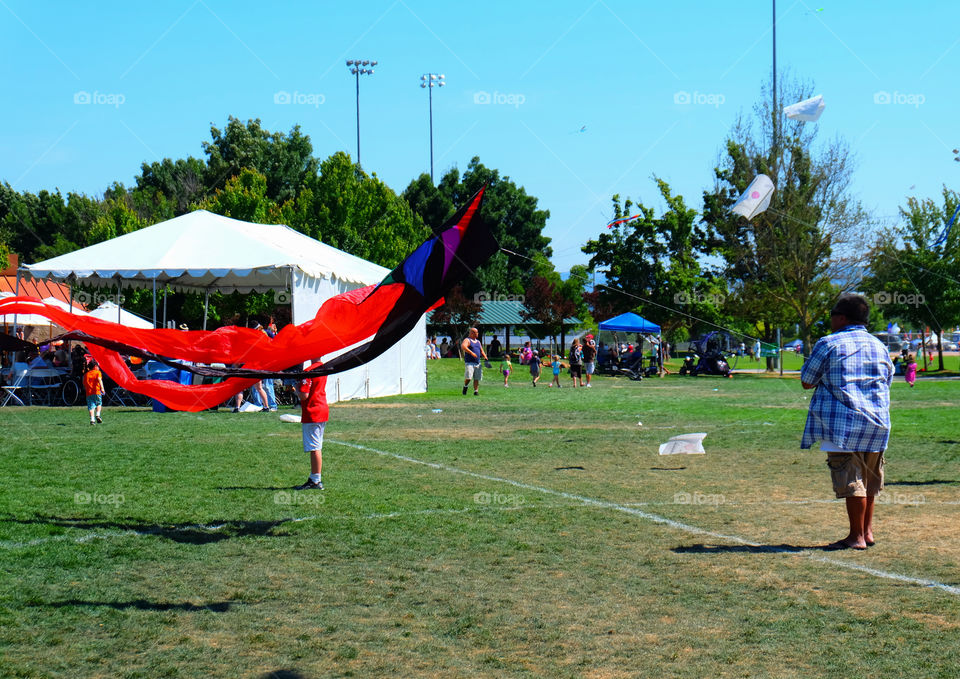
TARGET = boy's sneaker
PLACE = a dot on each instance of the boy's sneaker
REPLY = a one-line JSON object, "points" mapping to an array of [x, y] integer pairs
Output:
{"points": [[99, 421], [92, 422], [476, 393], [464, 391], [309, 485]]}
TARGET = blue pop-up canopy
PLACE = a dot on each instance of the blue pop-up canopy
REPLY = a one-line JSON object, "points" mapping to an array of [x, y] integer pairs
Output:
{"points": [[629, 322]]}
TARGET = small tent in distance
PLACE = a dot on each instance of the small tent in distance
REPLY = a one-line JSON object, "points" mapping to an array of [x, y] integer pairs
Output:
{"points": [[630, 322]]}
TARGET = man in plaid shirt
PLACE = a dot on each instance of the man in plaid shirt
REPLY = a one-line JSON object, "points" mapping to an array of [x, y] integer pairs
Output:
{"points": [[850, 412]]}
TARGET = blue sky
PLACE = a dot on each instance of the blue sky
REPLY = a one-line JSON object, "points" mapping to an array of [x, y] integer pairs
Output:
{"points": [[92, 90]]}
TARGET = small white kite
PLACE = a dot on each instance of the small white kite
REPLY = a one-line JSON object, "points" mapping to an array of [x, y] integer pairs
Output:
{"points": [[756, 198], [684, 444], [808, 110]]}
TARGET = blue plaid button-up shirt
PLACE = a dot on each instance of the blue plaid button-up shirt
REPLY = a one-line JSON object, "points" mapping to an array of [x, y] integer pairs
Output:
{"points": [[850, 407]]}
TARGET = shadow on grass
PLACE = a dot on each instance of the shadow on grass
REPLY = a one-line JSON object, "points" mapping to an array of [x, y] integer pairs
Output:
{"points": [[255, 488], [932, 482], [140, 604], [284, 674], [187, 533], [743, 549]]}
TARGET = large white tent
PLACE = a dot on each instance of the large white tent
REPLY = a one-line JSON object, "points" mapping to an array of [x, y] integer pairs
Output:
{"points": [[108, 311], [204, 252]]}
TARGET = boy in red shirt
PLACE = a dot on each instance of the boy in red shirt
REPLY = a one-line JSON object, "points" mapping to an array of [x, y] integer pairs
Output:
{"points": [[313, 419], [93, 385]]}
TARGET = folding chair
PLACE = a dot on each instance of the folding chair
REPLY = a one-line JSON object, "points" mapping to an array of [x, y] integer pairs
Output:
{"points": [[45, 383], [119, 396], [18, 382]]}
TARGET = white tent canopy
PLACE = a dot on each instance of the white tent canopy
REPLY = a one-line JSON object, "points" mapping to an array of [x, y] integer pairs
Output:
{"points": [[107, 311], [22, 319], [204, 252], [201, 251]]}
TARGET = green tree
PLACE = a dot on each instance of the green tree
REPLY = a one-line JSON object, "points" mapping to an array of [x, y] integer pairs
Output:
{"points": [[350, 210], [244, 197], [115, 217], [286, 160], [787, 264], [913, 277], [513, 216], [169, 188], [655, 262]]}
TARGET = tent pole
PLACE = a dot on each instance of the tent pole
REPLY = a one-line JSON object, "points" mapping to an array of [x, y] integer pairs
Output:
{"points": [[154, 302], [206, 305], [118, 300], [164, 306], [17, 294]]}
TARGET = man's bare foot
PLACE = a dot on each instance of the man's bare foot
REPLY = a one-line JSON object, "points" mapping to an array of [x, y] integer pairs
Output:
{"points": [[843, 544]]}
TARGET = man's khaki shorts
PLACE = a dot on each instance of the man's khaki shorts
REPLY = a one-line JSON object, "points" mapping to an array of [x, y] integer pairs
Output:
{"points": [[856, 474]]}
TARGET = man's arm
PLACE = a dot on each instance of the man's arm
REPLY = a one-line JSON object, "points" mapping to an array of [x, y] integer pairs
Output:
{"points": [[814, 367], [466, 348]]}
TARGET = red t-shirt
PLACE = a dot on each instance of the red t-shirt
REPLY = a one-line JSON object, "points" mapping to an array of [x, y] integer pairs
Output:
{"points": [[91, 382], [314, 409]]}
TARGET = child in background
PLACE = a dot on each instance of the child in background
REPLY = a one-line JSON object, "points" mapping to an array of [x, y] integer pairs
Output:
{"points": [[314, 413], [535, 367], [910, 370], [556, 365], [505, 368], [93, 384]]}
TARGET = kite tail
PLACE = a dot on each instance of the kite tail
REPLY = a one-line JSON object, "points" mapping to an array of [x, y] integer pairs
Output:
{"points": [[379, 316]]}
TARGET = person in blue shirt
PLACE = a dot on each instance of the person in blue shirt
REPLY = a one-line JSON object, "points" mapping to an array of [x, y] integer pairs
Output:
{"points": [[472, 354], [849, 412]]}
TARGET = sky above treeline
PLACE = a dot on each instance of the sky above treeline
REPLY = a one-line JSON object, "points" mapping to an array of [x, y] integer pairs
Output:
{"points": [[575, 101]]}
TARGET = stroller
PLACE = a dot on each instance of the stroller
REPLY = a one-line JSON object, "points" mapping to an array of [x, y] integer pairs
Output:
{"points": [[632, 367]]}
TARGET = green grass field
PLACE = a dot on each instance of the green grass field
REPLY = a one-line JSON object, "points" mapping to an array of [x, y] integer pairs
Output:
{"points": [[522, 533]]}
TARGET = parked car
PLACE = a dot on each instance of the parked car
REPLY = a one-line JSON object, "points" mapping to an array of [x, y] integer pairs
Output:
{"points": [[914, 345], [893, 341]]}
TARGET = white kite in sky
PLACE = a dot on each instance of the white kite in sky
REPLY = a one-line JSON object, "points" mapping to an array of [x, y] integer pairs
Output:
{"points": [[684, 444], [808, 110], [756, 198]]}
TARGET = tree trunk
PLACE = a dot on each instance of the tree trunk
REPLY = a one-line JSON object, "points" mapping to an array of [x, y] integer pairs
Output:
{"points": [[940, 347]]}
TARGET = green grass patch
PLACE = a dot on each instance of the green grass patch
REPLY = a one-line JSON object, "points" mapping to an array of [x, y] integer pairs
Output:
{"points": [[170, 545]]}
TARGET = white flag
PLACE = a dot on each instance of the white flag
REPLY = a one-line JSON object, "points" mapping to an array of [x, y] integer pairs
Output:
{"points": [[685, 444], [808, 110], [756, 198]]}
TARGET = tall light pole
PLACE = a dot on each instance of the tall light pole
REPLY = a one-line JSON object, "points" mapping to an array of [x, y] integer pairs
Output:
{"points": [[776, 113], [431, 80], [358, 68]]}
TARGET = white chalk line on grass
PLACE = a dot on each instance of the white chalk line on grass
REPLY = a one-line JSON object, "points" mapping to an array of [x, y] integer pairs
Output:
{"points": [[654, 518]]}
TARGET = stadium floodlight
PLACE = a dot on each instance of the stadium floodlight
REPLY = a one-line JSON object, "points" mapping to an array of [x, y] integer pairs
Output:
{"points": [[431, 80], [356, 67]]}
